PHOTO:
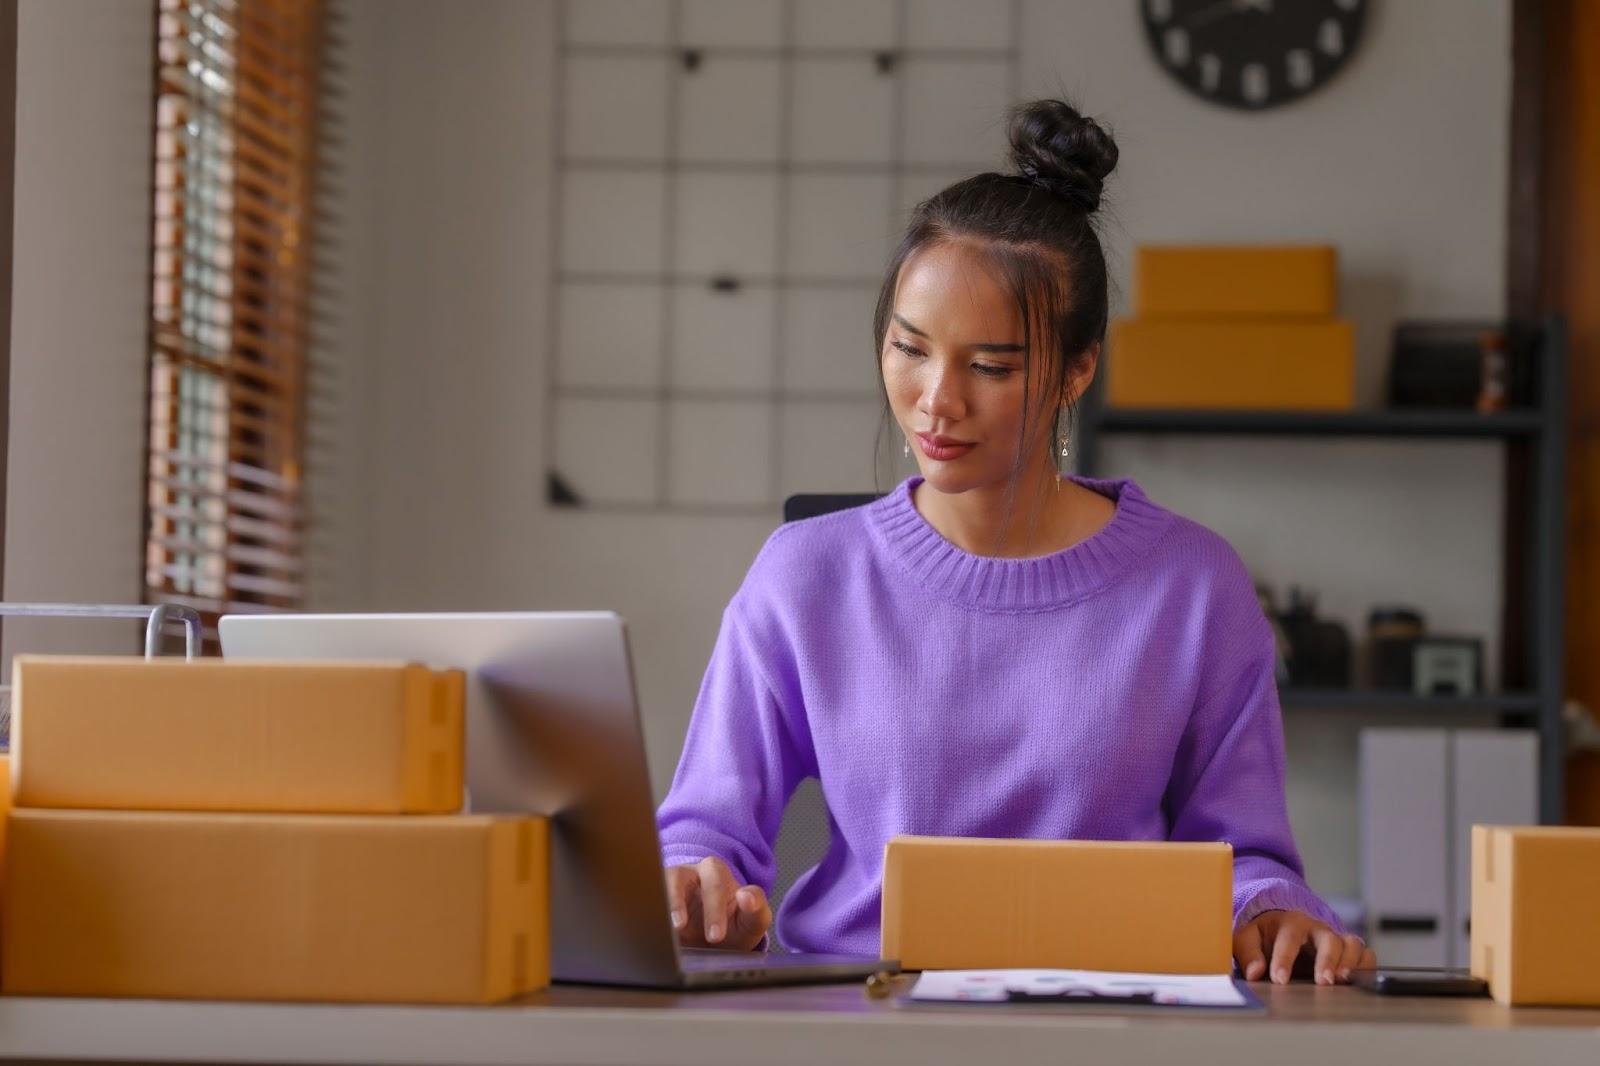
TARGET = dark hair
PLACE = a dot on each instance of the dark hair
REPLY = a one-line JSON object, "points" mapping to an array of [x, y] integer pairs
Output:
{"points": [[1036, 225]]}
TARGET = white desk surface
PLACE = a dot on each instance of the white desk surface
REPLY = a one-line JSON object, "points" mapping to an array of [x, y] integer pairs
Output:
{"points": [[1302, 1025]]}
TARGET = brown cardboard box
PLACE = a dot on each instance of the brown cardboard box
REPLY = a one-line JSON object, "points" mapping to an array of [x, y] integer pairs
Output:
{"points": [[135, 734], [952, 903], [1231, 364], [1536, 913], [1250, 280], [336, 908]]}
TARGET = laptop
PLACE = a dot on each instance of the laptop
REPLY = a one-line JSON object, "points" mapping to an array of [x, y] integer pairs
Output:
{"points": [[553, 728]]}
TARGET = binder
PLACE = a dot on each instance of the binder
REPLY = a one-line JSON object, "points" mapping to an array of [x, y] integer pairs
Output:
{"points": [[161, 734], [1405, 834], [1495, 781]]}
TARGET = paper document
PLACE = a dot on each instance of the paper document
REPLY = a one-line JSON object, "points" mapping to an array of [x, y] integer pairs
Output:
{"points": [[1003, 986]]}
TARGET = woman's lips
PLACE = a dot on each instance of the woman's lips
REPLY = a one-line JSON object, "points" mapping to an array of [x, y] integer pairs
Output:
{"points": [[947, 450]]}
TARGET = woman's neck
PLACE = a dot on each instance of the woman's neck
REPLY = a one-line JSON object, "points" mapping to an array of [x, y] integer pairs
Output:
{"points": [[1041, 519]]}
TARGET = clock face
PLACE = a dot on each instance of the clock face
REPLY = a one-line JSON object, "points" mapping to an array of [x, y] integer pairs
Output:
{"points": [[1252, 54]]}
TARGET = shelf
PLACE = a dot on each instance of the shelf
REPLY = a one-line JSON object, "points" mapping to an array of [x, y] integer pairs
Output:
{"points": [[1418, 422], [1395, 701]]}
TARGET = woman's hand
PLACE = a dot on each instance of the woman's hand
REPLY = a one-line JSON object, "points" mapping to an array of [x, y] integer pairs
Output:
{"points": [[1281, 937], [711, 909]]}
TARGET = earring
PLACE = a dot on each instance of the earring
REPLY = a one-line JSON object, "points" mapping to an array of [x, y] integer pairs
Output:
{"points": [[907, 450], [1066, 452]]}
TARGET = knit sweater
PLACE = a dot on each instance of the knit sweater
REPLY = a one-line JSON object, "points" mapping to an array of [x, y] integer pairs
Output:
{"points": [[1119, 689]]}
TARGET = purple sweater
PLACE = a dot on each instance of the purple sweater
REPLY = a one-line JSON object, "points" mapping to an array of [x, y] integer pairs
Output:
{"points": [[1120, 689]]}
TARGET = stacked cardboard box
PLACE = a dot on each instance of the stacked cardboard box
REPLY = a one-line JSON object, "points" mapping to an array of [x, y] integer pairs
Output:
{"points": [[1535, 922], [1236, 327], [283, 831]]}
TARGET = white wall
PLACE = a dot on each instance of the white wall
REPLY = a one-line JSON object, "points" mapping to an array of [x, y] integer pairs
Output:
{"points": [[1401, 161], [80, 314]]}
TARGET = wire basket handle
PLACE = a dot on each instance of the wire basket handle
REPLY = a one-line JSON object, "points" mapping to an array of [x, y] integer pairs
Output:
{"points": [[158, 614]]}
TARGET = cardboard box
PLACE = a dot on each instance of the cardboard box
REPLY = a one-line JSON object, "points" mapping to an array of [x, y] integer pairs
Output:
{"points": [[1235, 364], [135, 734], [962, 903], [1250, 280], [329, 908], [1535, 916]]}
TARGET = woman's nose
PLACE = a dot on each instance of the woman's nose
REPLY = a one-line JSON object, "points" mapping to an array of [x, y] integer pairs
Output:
{"points": [[941, 394]]}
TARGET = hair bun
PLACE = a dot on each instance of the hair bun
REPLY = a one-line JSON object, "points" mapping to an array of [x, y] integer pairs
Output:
{"points": [[1060, 150]]}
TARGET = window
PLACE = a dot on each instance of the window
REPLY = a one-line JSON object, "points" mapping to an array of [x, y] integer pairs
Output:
{"points": [[235, 140]]}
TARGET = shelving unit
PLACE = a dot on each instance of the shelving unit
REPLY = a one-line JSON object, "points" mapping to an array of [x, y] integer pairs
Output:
{"points": [[1532, 636]]}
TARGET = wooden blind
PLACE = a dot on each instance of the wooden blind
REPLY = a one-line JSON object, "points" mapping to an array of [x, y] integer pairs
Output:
{"points": [[235, 142]]}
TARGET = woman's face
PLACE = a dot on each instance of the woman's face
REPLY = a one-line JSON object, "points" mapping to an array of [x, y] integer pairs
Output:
{"points": [[952, 365]]}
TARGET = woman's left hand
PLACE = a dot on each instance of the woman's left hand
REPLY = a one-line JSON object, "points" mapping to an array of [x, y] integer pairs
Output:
{"points": [[1281, 937]]}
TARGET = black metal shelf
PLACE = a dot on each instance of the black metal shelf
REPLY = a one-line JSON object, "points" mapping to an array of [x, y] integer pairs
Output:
{"points": [[1397, 422], [1308, 699], [1533, 637]]}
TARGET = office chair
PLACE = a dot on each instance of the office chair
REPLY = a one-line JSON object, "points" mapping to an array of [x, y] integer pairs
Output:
{"points": [[803, 834]]}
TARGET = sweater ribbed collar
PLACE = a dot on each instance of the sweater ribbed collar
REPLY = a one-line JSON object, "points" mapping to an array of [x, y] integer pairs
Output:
{"points": [[1040, 583]]}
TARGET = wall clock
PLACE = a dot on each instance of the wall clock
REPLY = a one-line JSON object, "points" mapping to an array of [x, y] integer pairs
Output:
{"points": [[1252, 54]]}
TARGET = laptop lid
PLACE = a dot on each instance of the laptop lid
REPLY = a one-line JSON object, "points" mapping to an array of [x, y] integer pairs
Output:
{"points": [[552, 727]]}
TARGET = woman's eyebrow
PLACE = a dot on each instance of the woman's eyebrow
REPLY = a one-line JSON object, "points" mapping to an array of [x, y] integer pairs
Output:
{"points": [[898, 317], [993, 348]]}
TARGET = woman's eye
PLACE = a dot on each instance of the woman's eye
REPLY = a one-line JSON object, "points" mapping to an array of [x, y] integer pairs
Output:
{"points": [[904, 347], [991, 371]]}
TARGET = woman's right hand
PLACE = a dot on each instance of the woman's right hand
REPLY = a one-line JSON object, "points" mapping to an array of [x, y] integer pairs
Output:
{"points": [[710, 909]]}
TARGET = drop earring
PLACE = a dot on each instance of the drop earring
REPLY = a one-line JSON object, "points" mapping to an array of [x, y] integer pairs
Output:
{"points": [[907, 450], [1066, 451]]}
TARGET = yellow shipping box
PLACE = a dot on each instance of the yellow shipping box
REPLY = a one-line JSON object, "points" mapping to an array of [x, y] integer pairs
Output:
{"points": [[212, 735], [952, 903], [1195, 280], [1231, 364], [328, 908], [1536, 913]]}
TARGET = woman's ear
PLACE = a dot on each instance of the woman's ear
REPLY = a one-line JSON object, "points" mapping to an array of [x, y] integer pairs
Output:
{"points": [[1082, 376]]}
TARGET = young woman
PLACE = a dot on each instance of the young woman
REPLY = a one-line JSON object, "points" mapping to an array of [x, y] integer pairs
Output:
{"points": [[993, 649]]}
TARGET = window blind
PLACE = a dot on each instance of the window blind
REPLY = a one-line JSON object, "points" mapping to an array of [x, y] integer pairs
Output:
{"points": [[235, 144]]}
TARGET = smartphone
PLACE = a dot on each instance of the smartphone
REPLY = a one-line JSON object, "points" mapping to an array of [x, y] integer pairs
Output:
{"points": [[1419, 981]]}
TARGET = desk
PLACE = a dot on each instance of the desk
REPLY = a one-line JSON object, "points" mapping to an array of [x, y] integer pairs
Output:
{"points": [[1302, 1025]]}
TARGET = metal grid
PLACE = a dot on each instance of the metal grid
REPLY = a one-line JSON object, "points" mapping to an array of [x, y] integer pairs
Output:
{"points": [[774, 406]]}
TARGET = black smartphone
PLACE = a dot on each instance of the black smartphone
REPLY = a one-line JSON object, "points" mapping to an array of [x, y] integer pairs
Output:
{"points": [[1419, 981]]}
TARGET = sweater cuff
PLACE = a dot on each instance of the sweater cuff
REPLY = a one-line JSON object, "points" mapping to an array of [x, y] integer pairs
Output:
{"points": [[684, 855], [1277, 894]]}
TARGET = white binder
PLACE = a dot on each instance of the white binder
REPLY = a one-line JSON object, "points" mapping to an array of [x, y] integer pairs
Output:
{"points": [[1494, 781], [1405, 838]]}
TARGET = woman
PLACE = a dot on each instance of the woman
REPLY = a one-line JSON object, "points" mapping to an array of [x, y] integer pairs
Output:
{"points": [[992, 649]]}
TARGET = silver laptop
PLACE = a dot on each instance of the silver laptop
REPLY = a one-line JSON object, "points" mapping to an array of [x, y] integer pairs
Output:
{"points": [[553, 728]]}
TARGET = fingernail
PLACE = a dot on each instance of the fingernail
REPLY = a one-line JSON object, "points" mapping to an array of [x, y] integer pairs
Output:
{"points": [[1344, 973], [1256, 969], [677, 919], [1281, 976], [714, 934], [1324, 977]]}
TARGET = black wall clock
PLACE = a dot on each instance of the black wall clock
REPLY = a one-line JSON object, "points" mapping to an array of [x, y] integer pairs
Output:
{"points": [[1252, 54]]}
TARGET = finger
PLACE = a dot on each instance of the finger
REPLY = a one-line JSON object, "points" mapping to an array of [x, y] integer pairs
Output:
{"points": [[1369, 959], [1330, 949], [1354, 949], [752, 914], [1285, 948], [680, 879], [1247, 952], [716, 890]]}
